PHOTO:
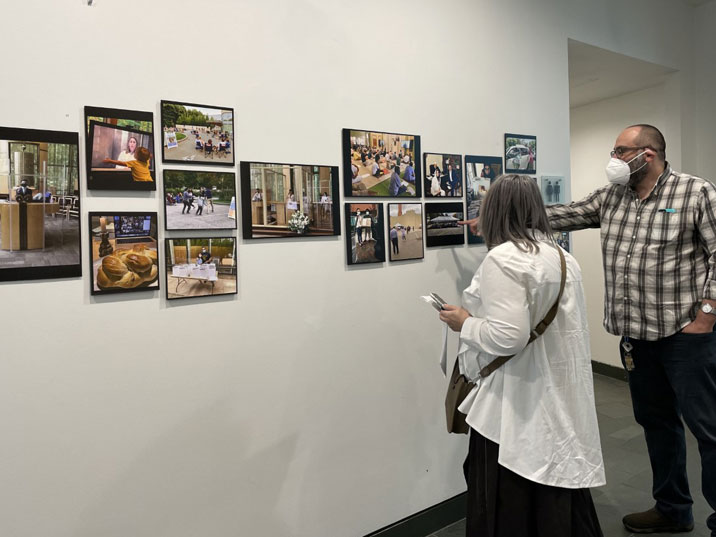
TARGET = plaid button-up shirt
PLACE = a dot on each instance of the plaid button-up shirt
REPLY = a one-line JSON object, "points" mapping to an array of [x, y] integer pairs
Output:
{"points": [[659, 253]]}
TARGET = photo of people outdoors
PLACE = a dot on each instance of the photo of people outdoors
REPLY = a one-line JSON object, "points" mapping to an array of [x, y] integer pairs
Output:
{"points": [[200, 267], [39, 204], [441, 224], [119, 149], [481, 172], [289, 200], [193, 133], [199, 200], [123, 248], [552, 189], [443, 175], [405, 231], [381, 164], [520, 153], [365, 242]]}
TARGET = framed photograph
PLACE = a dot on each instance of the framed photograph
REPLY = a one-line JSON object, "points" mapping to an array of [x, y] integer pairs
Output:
{"points": [[442, 175], [405, 231], [365, 242], [481, 172], [199, 200], [520, 153], [381, 164], [289, 200], [562, 238], [441, 224], [201, 267], [552, 187], [39, 204], [123, 252], [119, 149], [197, 133]]}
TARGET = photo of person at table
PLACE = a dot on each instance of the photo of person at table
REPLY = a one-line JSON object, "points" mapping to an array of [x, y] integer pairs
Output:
{"points": [[121, 158], [201, 267]]}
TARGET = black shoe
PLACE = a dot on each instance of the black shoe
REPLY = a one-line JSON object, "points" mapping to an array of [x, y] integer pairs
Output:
{"points": [[652, 521]]}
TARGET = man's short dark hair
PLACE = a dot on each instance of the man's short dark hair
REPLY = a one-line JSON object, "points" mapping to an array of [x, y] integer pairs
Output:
{"points": [[651, 137]]}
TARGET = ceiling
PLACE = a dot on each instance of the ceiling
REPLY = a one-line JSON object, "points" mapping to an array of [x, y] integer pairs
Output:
{"points": [[596, 74]]}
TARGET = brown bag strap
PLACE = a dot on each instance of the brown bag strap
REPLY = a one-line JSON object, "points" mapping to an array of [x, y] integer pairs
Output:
{"points": [[541, 326]]}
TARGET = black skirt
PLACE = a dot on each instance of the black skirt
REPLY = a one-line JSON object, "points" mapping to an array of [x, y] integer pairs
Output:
{"points": [[504, 504]]}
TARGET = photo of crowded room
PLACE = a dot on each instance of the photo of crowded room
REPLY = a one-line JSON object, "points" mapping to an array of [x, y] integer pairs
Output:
{"points": [[200, 267], [193, 133], [520, 153], [199, 200], [289, 200], [381, 164], [405, 231], [481, 171], [123, 252], [39, 204], [443, 175], [119, 149], [365, 240], [441, 224]]}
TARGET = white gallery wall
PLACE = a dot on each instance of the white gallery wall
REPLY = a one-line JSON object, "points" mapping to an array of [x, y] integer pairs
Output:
{"points": [[311, 403]]}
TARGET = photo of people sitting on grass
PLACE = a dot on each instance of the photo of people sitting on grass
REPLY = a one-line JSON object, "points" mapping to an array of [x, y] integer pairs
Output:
{"points": [[197, 134], [200, 267], [381, 164], [199, 200]]}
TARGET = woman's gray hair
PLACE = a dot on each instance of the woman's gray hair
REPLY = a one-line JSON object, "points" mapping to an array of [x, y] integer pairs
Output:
{"points": [[513, 210]]}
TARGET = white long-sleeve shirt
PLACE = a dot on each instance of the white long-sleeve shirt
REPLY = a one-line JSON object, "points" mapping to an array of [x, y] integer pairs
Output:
{"points": [[539, 406]]}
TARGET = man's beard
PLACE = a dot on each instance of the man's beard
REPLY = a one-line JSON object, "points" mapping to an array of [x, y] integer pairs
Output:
{"points": [[641, 171]]}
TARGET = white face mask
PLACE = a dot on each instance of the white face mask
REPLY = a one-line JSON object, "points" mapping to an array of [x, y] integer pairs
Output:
{"points": [[618, 171]]}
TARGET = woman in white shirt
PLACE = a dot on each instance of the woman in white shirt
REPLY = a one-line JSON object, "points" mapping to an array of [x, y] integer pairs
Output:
{"points": [[128, 152], [534, 439]]}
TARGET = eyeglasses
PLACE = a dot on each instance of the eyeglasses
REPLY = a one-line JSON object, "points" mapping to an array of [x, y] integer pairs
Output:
{"points": [[622, 150]]}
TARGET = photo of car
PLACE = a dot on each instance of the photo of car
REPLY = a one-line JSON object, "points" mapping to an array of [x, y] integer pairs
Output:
{"points": [[520, 153]]}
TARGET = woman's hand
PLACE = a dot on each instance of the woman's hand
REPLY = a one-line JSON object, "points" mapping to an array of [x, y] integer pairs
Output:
{"points": [[454, 316], [473, 224]]}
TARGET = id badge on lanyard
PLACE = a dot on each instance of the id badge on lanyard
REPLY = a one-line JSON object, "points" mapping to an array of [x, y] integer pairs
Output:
{"points": [[628, 359]]}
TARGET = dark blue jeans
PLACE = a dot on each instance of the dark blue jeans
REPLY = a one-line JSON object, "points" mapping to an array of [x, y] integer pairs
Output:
{"points": [[675, 377]]}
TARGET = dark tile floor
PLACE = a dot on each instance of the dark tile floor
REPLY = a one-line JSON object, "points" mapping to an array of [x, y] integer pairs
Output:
{"points": [[628, 487]]}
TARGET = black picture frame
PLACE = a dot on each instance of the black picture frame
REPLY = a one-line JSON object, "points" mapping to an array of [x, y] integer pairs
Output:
{"points": [[374, 251], [563, 239], [444, 181], [326, 213], [520, 153], [194, 156], [383, 184], [444, 233], [221, 268], [130, 238], [60, 216], [196, 179], [409, 230], [480, 172], [126, 120]]}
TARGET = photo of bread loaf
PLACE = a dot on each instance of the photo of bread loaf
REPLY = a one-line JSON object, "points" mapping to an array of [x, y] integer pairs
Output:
{"points": [[124, 252], [127, 269]]}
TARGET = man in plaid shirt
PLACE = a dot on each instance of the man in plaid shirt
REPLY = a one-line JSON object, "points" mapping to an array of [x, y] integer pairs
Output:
{"points": [[658, 233]]}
